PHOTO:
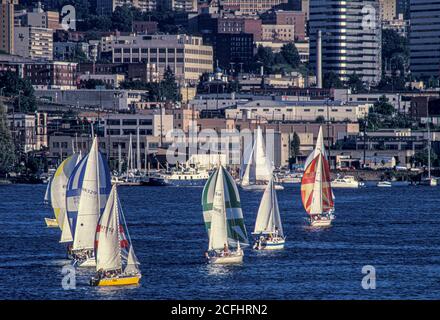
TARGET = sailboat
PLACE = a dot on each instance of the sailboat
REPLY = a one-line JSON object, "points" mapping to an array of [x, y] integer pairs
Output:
{"points": [[50, 222], [57, 195], [316, 192], [223, 219], [87, 192], [116, 262], [256, 171], [268, 228], [429, 181]]}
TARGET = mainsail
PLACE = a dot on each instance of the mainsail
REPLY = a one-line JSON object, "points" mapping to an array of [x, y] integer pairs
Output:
{"points": [[220, 198], [257, 166], [113, 247], [58, 194], [268, 218], [316, 192], [87, 192]]}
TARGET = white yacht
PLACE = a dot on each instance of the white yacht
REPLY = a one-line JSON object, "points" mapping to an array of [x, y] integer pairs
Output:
{"points": [[384, 184], [346, 182]]}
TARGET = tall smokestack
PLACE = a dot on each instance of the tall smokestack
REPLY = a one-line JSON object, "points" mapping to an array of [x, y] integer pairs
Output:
{"points": [[319, 60]]}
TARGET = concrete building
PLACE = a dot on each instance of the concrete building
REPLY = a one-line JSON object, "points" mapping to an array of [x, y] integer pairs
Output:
{"points": [[233, 24], [424, 38], [67, 50], [180, 5], [297, 19], [42, 19], [29, 131], [112, 100], [33, 42], [187, 56], [7, 26], [388, 9], [298, 111], [112, 81], [278, 32], [251, 6], [351, 38], [106, 7]]}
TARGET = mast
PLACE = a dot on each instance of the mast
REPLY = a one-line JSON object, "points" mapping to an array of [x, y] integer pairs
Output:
{"points": [[429, 142], [138, 150]]}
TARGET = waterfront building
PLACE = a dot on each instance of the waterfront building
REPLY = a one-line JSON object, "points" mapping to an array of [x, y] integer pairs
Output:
{"points": [[299, 111], [29, 131], [351, 38]]}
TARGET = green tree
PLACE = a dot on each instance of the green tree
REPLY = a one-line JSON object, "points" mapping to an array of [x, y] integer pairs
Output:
{"points": [[355, 83], [168, 86], [383, 107], [320, 119], [331, 80], [295, 144], [7, 155], [122, 18], [291, 55], [20, 90], [264, 57]]}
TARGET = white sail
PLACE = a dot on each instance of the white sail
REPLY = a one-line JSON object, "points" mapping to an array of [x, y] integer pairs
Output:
{"points": [[268, 218], [257, 166], [47, 193], [108, 250], [219, 233], [90, 204], [58, 188], [317, 205], [66, 232], [132, 262], [263, 168]]}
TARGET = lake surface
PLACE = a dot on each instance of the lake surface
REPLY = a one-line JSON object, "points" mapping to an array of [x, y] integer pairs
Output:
{"points": [[396, 230]]}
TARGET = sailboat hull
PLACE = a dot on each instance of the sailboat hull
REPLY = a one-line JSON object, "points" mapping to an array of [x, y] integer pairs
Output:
{"points": [[260, 187], [51, 223], [321, 223], [117, 281], [271, 245], [232, 258]]}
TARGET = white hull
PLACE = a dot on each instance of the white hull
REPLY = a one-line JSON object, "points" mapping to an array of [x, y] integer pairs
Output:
{"points": [[348, 185], [384, 184], [51, 223], [232, 258], [272, 245], [321, 223], [429, 182], [89, 263], [260, 187], [346, 182]]}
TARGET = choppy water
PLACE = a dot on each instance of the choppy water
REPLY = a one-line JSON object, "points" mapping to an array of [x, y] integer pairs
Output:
{"points": [[396, 230]]}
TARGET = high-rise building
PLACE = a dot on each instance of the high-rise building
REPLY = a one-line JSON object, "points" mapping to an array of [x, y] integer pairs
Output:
{"points": [[425, 38], [43, 19], [351, 38], [7, 26], [34, 43]]}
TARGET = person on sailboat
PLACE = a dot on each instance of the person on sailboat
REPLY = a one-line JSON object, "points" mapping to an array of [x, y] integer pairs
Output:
{"points": [[225, 250]]}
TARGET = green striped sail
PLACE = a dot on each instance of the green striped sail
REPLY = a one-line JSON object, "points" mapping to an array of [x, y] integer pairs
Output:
{"points": [[234, 214]]}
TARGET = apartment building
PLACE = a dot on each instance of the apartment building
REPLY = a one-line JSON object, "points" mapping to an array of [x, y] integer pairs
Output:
{"points": [[34, 42], [187, 56], [7, 26]]}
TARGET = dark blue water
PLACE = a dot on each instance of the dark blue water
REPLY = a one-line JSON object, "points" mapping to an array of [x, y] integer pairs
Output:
{"points": [[396, 230]]}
